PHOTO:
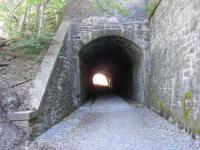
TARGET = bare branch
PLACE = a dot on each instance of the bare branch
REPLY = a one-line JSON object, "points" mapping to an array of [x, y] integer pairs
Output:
{"points": [[12, 86], [17, 5]]}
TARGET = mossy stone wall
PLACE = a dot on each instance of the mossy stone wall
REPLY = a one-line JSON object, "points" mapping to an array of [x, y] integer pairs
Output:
{"points": [[175, 61]]}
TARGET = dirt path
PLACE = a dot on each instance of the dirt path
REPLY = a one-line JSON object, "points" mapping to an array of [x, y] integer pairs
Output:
{"points": [[15, 80], [112, 124]]}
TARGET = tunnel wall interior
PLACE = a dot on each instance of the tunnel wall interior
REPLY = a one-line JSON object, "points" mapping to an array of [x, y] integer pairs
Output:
{"points": [[117, 58]]}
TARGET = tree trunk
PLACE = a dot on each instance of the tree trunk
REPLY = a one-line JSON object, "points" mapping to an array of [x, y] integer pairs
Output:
{"points": [[41, 20], [23, 20], [37, 18]]}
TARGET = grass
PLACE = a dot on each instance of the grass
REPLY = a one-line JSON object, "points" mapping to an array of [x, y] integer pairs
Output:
{"points": [[187, 98]]}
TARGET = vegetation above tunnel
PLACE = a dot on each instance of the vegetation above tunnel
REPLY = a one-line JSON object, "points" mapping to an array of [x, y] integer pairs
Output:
{"points": [[30, 24]]}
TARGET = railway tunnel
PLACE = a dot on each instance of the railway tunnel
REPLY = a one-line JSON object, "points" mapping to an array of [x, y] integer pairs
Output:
{"points": [[117, 61], [87, 44]]}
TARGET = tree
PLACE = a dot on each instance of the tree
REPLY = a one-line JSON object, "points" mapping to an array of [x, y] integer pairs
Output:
{"points": [[31, 16], [30, 23]]}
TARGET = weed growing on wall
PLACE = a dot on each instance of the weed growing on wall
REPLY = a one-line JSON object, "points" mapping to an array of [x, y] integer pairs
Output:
{"points": [[151, 6], [187, 105], [110, 6]]}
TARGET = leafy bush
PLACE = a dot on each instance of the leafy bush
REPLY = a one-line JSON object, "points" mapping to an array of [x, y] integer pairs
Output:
{"points": [[31, 44], [27, 16], [30, 23]]}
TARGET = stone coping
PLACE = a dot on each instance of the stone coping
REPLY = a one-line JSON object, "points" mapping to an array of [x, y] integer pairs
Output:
{"points": [[23, 115], [41, 81]]}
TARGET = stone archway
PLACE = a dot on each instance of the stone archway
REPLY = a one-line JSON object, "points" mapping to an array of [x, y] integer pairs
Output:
{"points": [[116, 56], [57, 89]]}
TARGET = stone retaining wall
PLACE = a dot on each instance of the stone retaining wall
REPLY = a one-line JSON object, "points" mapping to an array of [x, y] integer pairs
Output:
{"points": [[169, 80], [175, 62]]}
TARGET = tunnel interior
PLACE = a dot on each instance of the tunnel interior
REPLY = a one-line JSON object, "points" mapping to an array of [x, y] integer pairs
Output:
{"points": [[115, 58]]}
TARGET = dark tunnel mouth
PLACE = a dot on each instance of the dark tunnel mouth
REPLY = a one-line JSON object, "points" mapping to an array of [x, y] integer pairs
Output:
{"points": [[117, 58]]}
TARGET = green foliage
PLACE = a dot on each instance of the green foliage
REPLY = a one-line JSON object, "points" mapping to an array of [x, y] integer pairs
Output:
{"points": [[188, 95], [160, 106], [151, 6], [31, 44], [54, 13], [22, 21], [110, 6], [187, 98], [30, 28]]}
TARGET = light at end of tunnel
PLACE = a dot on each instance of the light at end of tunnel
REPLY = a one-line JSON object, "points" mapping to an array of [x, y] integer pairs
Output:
{"points": [[101, 80]]}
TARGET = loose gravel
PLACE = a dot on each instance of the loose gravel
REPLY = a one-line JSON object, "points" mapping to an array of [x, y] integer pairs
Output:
{"points": [[110, 123]]}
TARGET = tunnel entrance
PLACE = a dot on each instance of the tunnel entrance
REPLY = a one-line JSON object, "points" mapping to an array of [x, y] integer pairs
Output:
{"points": [[110, 65]]}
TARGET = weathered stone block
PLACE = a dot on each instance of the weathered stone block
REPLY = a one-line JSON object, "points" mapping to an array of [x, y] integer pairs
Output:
{"points": [[170, 29]]}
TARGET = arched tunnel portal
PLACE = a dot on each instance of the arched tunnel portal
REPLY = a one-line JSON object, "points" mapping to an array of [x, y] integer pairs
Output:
{"points": [[119, 60], [84, 45], [69, 81]]}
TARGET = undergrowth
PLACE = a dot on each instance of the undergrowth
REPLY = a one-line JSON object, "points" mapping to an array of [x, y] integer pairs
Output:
{"points": [[30, 44]]}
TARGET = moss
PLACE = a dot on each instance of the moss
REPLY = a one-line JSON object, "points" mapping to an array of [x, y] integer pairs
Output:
{"points": [[155, 103], [188, 95], [198, 131], [160, 107], [187, 110], [185, 122], [164, 110], [194, 126], [191, 126]]}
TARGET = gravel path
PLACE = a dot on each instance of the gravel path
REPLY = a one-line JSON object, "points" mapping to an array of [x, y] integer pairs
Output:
{"points": [[110, 123]]}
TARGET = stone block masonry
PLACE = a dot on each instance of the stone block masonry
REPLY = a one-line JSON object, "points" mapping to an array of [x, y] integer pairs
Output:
{"points": [[169, 69], [174, 81], [168, 77], [57, 88]]}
